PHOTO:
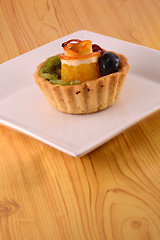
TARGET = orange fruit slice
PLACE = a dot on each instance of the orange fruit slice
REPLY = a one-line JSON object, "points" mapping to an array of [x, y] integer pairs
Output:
{"points": [[82, 48], [82, 72], [76, 53]]}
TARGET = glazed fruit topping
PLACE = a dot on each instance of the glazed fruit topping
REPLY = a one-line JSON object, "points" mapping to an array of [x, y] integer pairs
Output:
{"points": [[108, 63], [97, 48], [69, 41], [51, 71], [77, 49]]}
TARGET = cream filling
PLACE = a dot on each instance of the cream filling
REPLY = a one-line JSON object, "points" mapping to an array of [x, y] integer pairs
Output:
{"points": [[77, 62]]}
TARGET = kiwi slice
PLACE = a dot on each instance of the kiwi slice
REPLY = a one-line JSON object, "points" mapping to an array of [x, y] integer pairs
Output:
{"points": [[51, 71]]}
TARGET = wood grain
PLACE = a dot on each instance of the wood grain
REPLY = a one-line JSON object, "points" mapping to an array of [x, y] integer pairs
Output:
{"points": [[113, 193]]}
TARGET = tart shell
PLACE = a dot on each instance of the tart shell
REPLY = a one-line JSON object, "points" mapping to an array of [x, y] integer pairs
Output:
{"points": [[89, 96]]}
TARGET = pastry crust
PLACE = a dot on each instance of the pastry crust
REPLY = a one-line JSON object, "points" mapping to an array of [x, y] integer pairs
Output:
{"points": [[87, 97]]}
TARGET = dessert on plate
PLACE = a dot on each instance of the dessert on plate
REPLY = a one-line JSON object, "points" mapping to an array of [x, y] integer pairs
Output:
{"points": [[83, 79]]}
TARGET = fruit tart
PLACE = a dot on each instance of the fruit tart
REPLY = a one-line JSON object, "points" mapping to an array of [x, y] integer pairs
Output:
{"points": [[83, 79]]}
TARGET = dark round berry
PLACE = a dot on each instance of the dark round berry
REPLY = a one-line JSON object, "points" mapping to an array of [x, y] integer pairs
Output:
{"points": [[108, 63]]}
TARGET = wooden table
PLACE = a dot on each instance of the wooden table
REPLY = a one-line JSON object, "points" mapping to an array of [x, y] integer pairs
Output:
{"points": [[112, 192]]}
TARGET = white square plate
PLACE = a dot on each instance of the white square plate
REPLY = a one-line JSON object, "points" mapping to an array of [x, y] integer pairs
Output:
{"points": [[24, 107]]}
